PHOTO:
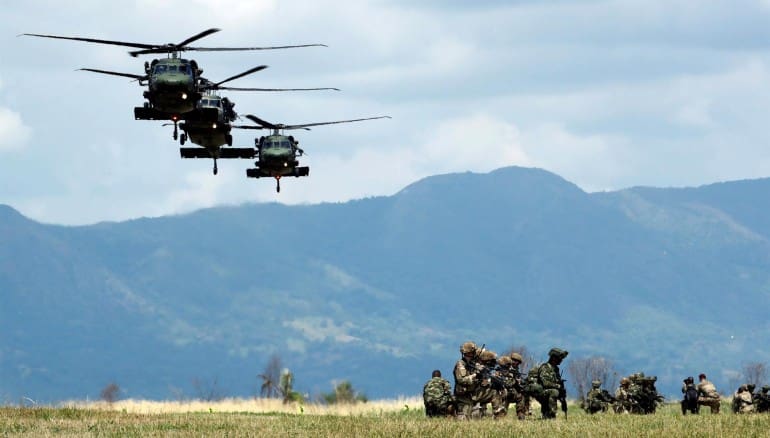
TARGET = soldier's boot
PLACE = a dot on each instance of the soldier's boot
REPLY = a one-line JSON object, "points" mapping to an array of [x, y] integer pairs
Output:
{"points": [[500, 413], [478, 411]]}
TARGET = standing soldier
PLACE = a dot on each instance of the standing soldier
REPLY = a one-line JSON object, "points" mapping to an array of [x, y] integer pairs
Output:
{"points": [[707, 394], [549, 377], [466, 381], [623, 397], [437, 396]]}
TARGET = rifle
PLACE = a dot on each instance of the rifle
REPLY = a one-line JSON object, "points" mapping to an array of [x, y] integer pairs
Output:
{"points": [[563, 395]]}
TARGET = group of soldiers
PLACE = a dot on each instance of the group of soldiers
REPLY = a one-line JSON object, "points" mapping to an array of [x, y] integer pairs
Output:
{"points": [[745, 400], [482, 378], [635, 395]]}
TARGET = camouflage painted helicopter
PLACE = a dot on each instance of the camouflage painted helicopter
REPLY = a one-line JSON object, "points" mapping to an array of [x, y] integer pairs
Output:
{"points": [[277, 153], [174, 84], [212, 135]]}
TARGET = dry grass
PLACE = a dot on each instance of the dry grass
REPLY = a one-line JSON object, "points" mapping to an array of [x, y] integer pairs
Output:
{"points": [[389, 418], [252, 405]]}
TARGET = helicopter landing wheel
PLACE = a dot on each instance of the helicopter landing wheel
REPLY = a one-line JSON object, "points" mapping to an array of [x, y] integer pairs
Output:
{"points": [[182, 138], [216, 169], [278, 184]]}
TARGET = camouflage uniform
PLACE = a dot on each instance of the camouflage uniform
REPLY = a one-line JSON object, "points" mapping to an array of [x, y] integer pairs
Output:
{"points": [[708, 395], [490, 389], [549, 376], [743, 402], [762, 400], [466, 381], [597, 399], [513, 384], [623, 397], [437, 396]]}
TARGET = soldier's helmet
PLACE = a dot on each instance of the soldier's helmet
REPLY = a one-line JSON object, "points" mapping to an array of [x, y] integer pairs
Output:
{"points": [[625, 381], [766, 388], [517, 357], [689, 380], [488, 356], [743, 388], [468, 347], [505, 361], [596, 383], [558, 352], [750, 387]]}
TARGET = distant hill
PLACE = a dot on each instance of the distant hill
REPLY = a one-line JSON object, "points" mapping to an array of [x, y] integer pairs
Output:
{"points": [[383, 290]]}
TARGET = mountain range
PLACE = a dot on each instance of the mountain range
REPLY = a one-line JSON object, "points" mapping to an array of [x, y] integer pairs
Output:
{"points": [[381, 291]]}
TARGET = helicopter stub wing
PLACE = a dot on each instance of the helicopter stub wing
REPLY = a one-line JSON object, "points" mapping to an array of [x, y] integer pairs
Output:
{"points": [[204, 114], [245, 153]]}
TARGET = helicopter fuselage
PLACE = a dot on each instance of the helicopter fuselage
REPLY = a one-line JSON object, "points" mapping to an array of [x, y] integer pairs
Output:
{"points": [[172, 86], [277, 155]]}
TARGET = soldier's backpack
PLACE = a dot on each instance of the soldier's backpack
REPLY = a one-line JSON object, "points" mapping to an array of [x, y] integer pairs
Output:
{"points": [[533, 386]]}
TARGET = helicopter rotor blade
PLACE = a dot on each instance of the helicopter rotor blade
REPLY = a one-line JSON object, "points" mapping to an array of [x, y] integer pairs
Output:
{"points": [[115, 73], [205, 33], [247, 127], [234, 49], [94, 40], [240, 75], [304, 126], [275, 89], [261, 122]]}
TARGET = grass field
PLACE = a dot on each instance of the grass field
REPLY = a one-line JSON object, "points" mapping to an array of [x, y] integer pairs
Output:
{"points": [[391, 418]]}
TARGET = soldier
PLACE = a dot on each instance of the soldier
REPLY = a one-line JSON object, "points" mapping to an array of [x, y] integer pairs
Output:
{"points": [[466, 380], [597, 399], [707, 394], [623, 397], [762, 399], [743, 402], [690, 401], [490, 389], [518, 396], [549, 378], [437, 396]]}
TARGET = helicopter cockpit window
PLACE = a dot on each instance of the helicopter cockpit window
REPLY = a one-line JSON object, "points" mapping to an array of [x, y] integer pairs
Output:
{"points": [[285, 144], [160, 69]]}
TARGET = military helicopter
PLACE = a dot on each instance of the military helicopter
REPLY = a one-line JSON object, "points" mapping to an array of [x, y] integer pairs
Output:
{"points": [[174, 84], [277, 153], [214, 134]]}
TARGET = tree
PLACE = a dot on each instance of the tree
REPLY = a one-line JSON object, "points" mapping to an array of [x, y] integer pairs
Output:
{"points": [[344, 393], [286, 388], [583, 371], [207, 391], [271, 378], [110, 393], [755, 373]]}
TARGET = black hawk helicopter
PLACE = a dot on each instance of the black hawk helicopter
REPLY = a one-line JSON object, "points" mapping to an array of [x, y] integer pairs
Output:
{"points": [[277, 153], [174, 83], [212, 135]]}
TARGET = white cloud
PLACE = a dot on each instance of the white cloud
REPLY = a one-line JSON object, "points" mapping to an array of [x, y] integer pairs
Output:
{"points": [[14, 134]]}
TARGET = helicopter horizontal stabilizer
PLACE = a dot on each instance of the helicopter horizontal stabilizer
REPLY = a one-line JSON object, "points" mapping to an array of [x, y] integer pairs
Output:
{"points": [[259, 173], [144, 113], [223, 153], [237, 153]]}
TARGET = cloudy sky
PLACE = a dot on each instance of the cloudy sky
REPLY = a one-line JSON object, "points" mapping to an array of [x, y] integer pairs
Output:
{"points": [[607, 94]]}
